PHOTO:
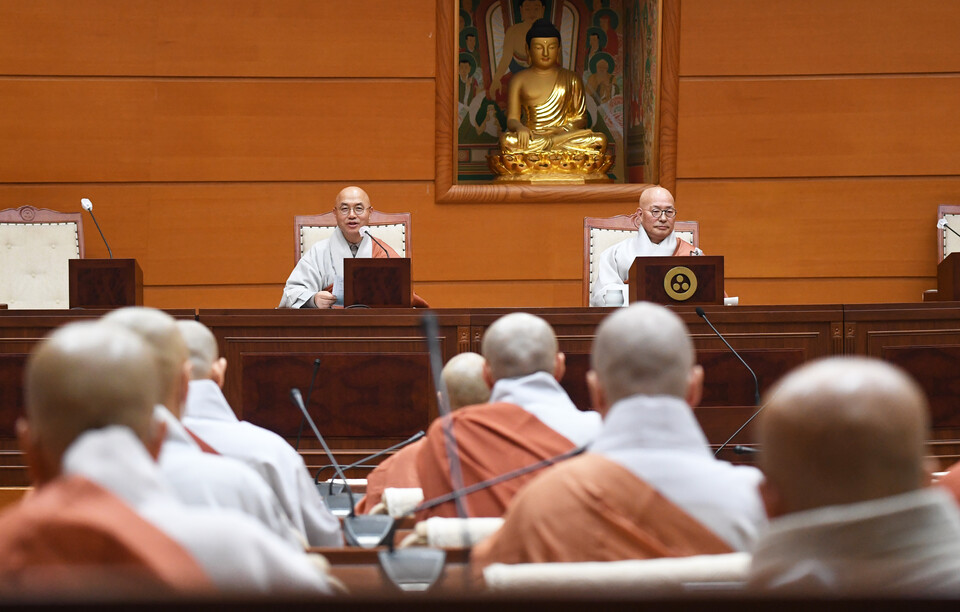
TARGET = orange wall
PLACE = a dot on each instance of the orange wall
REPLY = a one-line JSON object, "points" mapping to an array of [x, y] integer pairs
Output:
{"points": [[815, 140]]}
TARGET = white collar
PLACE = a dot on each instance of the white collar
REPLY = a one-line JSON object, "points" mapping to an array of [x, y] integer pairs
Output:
{"points": [[205, 400], [116, 459], [651, 422]]}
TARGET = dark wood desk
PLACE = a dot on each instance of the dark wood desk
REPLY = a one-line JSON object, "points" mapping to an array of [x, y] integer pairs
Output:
{"points": [[20, 330], [374, 386]]}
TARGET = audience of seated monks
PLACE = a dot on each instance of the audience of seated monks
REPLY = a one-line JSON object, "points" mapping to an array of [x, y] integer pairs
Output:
{"points": [[463, 378], [843, 460], [208, 415], [103, 517], [198, 475], [649, 486], [146, 482], [529, 418]]}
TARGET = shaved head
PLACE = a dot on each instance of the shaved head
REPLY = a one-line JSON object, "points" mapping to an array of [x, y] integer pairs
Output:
{"points": [[353, 195], [202, 346], [160, 332], [839, 431], [644, 349], [519, 344], [463, 376], [655, 194], [88, 376]]}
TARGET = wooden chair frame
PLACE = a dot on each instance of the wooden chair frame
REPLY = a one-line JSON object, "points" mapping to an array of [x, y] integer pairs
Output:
{"points": [[31, 214], [624, 223], [942, 211], [329, 219]]}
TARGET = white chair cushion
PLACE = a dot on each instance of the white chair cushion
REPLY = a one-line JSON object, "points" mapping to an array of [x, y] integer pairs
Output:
{"points": [[603, 239], [33, 264], [394, 234], [631, 576]]}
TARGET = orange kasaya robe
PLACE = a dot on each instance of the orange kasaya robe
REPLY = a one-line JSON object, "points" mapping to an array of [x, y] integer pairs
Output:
{"points": [[72, 534], [592, 509], [492, 439], [386, 252], [398, 470]]}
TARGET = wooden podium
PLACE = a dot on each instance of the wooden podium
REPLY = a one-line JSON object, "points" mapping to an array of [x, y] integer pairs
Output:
{"points": [[948, 278], [378, 283], [105, 283], [694, 280]]}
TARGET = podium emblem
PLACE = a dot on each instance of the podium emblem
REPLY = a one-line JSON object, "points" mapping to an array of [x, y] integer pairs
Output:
{"points": [[680, 283]]}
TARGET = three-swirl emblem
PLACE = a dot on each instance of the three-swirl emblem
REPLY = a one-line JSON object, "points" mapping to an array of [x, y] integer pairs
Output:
{"points": [[680, 283]]}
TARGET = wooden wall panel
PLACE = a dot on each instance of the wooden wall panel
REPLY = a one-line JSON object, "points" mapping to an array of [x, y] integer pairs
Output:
{"points": [[223, 130], [851, 290], [884, 126], [760, 37], [820, 228], [250, 38]]}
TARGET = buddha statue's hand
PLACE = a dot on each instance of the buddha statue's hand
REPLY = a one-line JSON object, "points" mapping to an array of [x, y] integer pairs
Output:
{"points": [[523, 136]]}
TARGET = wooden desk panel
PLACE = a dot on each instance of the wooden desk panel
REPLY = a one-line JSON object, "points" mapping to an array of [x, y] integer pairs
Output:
{"points": [[924, 340], [20, 330], [373, 387]]}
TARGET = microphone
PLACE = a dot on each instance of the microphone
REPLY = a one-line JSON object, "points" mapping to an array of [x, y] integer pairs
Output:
{"points": [[360, 463], [745, 450], [756, 384], [87, 205], [316, 368], [942, 224], [490, 482], [365, 231], [431, 331], [366, 531]]}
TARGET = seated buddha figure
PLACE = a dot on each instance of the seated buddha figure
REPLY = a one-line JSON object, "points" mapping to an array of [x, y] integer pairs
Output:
{"points": [[547, 135]]}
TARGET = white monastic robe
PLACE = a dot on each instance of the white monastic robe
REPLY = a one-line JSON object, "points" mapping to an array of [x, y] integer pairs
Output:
{"points": [[322, 266], [658, 439], [236, 551], [208, 414], [906, 544], [615, 261], [203, 479]]}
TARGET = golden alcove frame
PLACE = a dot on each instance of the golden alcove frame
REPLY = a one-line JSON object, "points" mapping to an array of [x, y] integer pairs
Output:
{"points": [[449, 192]]}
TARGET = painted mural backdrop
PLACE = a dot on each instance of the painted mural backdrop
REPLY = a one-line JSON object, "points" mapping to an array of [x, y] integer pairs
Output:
{"points": [[492, 49]]}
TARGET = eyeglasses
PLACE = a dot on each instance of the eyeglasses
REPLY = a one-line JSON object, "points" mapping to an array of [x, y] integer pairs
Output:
{"points": [[655, 213], [346, 208]]}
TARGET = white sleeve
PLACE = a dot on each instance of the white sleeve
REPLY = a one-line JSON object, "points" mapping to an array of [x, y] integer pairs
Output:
{"points": [[608, 277], [304, 281]]}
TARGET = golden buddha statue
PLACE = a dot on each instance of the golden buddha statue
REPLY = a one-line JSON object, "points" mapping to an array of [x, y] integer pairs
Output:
{"points": [[553, 144]]}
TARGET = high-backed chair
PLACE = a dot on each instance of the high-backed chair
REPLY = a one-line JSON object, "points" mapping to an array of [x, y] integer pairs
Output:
{"points": [[390, 228], [35, 245], [601, 233], [948, 241]]}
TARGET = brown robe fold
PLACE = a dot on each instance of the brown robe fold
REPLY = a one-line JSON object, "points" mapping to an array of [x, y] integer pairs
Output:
{"points": [[72, 534], [592, 509], [398, 470], [493, 439]]}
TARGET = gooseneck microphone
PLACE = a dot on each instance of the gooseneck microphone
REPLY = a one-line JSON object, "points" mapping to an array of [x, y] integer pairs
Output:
{"points": [[367, 531], [490, 482], [361, 462], [316, 368], [942, 225], [431, 331], [87, 205], [756, 384], [365, 231]]}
